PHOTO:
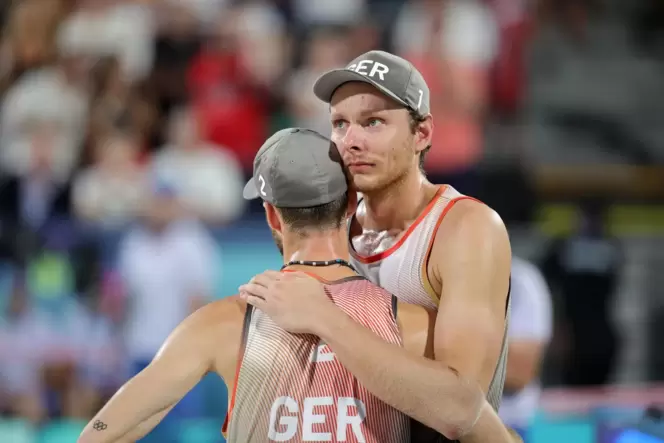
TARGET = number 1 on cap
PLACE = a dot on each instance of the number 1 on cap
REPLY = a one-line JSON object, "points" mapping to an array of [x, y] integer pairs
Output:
{"points": [[262, 188], [419, 101]]}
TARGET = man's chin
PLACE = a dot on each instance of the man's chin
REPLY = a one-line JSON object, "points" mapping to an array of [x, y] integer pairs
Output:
{"points": [[365, 185]]}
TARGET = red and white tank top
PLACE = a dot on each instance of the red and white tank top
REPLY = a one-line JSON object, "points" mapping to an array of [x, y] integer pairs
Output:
{"points": [[402, 269], [292, 388]]}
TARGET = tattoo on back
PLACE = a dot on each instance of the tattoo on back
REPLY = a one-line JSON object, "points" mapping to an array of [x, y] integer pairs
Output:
{"points": [[99, 425]]}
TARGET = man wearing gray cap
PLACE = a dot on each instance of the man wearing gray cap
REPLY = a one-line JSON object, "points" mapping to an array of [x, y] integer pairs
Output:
{"points": [[283, 386], [427, 244]]}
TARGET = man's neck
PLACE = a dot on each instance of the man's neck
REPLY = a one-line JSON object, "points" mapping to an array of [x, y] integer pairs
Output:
{"points": [[319, 246], [397, 205]]}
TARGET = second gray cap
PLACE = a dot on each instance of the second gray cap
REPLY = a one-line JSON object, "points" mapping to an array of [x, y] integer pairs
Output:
{"points": [[297, 168], [390, 74]]}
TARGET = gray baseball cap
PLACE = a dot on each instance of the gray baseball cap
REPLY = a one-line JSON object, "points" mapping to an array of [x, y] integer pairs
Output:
{"points": [[392, 75], [297, 168]]}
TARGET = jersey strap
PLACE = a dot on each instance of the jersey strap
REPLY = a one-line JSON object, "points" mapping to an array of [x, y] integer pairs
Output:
{"points": [[238, 365]]}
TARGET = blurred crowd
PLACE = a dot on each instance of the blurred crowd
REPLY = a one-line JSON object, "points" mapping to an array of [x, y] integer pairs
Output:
{"points": [[127, 128]]}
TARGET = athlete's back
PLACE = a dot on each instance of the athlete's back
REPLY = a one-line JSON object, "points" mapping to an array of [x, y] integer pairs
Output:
{"points": [[290, 387]]}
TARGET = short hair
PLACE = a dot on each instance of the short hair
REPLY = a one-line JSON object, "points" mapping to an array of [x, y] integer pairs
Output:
{"points": [[316, 218], [415, 119]]}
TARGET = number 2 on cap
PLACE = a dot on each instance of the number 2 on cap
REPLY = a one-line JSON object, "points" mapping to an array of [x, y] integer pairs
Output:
{"points": [[262, 188]]}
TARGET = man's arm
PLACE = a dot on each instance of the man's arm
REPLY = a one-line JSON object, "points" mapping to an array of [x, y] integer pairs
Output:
{"points": [[427, 390], [144, 427], [471, 261], [432, 392], [442, 394], [474, 264], [143, 401], [424, 389]]}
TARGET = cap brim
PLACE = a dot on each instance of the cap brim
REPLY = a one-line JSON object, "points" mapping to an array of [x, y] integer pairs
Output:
{"points": [[250, 191], [329, 82]]}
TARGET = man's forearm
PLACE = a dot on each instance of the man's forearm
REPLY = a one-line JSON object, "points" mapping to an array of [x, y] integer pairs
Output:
{"points": [[488, 428], [424, 389], [134, 409], [92, 435], [144, 428]]}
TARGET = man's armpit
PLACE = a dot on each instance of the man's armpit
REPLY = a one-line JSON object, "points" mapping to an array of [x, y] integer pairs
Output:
{"points": [[417, 326]]}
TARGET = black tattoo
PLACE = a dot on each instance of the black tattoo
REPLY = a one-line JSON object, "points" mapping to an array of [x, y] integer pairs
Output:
{"points": [[99, 425]]}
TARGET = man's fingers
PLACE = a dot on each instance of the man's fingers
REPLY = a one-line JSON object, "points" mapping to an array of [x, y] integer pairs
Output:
{"points": [[266, 278], [259, 280], [256, 302], [254, 289]]}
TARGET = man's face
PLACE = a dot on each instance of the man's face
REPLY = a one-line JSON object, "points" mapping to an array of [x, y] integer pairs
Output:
{"points": [[373, 134]]}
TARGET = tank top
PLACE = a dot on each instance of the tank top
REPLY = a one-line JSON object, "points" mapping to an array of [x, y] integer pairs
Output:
{"points": [[402, 270], [291, 387]]}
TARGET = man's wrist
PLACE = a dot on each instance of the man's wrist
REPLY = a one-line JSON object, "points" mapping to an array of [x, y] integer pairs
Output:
{"points": [[326, 323]]}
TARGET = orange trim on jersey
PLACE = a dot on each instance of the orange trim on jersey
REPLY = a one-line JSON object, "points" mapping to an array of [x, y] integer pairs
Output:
{"points": [[383, 255], [238, 366], [325, 281], [428, 287], [310, 274]]}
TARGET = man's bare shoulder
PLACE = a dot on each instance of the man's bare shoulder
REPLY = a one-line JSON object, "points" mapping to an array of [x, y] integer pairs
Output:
{"points": [[198, 336], [217, 318], [472, 217], [471, 232], [228, 310], [471, 223]]}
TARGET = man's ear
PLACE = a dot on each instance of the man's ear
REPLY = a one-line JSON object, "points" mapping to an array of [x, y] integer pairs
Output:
{"points": [[424, 134], [273, 217]]}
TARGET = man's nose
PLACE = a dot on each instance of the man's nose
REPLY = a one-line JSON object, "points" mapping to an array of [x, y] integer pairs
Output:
{"points": [[353, 140]]}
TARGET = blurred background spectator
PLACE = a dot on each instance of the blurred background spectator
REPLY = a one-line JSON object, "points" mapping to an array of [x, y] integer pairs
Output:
{"points": [[529, 333], [165, 266], [128, 127], [110, 192], [208, 177], [585, 267], [326, 48], [453, 44]]}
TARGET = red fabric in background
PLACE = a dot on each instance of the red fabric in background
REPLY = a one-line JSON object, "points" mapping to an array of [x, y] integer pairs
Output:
{"points": [[508, 73], [230, 109]]}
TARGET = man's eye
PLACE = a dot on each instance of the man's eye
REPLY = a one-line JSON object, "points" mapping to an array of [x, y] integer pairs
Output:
{"points": [[338, 124], [375, 122]]}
